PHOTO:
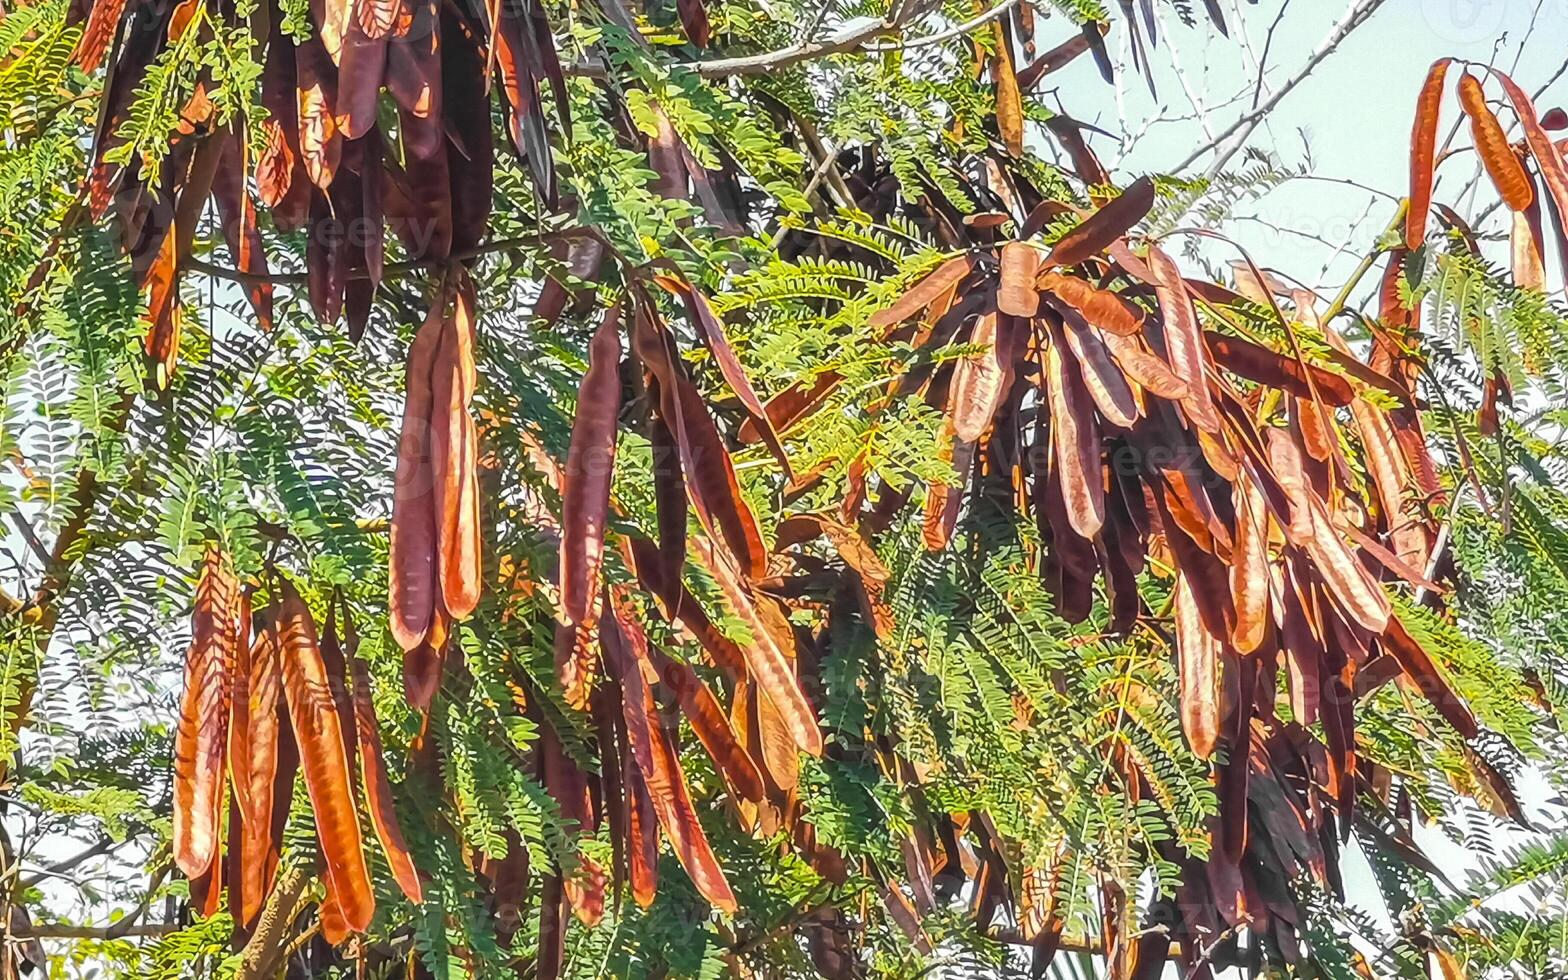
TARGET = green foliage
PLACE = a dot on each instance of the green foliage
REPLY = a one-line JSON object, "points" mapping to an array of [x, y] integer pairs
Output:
{"points": [[281, 446], [1515, 334]]}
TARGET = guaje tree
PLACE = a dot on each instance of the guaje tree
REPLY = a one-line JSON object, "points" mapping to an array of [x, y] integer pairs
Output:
{"points": [[674, 490]]}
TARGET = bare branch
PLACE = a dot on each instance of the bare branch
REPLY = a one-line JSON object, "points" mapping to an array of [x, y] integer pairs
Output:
{"points": [[103, 846], [1243, 38], [851, 36], [1263, 59], [112, 931], [31, 537], [1234, 136], [392, 270], [856, 35], [958, 30]]}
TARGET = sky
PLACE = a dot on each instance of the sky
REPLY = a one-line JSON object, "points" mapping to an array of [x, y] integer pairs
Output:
{"points": [[1349, 119]]}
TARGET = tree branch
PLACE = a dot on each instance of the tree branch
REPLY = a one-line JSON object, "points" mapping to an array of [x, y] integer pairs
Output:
{"points": [[103, 846], [392, 269], [365, 525], [1234, 136], [958, 30], [852, 36], [265, 950], [1263, 59], [848, 38], [112, 931], [31, 537], [1069, 943]]}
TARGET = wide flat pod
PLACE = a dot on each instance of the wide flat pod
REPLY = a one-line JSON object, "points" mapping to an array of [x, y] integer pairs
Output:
{"points": [[318, 728], [412, 593], [201, 738]]}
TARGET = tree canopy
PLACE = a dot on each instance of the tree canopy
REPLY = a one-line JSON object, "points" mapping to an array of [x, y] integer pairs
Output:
{"points": [[738, 487]]}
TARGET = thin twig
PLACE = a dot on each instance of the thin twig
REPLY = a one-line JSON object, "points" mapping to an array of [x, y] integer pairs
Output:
{"points": [[1438, 547], [31, 537], [1243, 39], [1186, 86], [299, 942], [103, 846], [854, 34], [1339, 302], [810, 33], [1348, 182], [1554, 77], [1235, 135], [1263, 59], [391, 270], [111, 931], [1339, 248], [958, 30]]}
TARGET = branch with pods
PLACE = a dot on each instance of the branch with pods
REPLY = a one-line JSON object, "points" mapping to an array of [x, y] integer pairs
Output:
{"points": [[268, 698], [1278, 493]]}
